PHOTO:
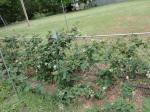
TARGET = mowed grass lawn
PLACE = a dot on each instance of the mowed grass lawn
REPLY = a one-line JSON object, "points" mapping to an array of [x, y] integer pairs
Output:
{"points": [[132, 16]]}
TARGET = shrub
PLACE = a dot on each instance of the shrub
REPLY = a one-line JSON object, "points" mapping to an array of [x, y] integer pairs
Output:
{"points": [[105, 78], [34, 57], [57, 61], [79, 58], [10, 48], [68, 95], [123, 59], [51, 55]]}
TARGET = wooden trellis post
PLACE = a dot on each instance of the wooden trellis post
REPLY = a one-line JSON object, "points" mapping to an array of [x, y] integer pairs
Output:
{"points": [[5, 24], [25, 12], [2, 20], [65, 15]]}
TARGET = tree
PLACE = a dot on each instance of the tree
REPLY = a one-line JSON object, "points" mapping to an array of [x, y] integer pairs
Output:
{"points": [[11, 10]]}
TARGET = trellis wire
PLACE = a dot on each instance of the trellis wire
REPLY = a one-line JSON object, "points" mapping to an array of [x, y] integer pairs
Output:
{"points": [[113, 35], [109, 35], [13, 84]]}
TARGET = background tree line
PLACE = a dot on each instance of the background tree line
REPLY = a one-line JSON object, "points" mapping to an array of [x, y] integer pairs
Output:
{"points": [[11, 10]]}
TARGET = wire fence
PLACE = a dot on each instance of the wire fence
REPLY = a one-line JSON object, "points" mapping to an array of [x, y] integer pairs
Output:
{"points": [[147, 34], [115, 35]]}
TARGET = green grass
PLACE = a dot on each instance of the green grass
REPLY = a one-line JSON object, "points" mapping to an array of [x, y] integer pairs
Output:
{"points": [[30, 102], [132, 16], [146, 105], [34, 103]]}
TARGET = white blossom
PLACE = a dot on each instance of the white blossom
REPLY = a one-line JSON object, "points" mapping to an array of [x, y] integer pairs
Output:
{"points": [[127, 77], [55, 67], [148, 74], [111, 70], [61, 107], [20, 63], [104, 88], [38, 66]]}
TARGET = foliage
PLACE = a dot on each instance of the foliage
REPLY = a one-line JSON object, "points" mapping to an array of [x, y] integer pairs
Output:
{"points": [[9, 48], [38, 15], [35, 8], [127, 90], [4, 91], [105, 78], [28, 101], [57, 60], [9, 8], [18, 57], [32, 102], [119, 106], [68, 95], [28, 58], [100, 94], [78, 59], [51, 55], [122, 60]]}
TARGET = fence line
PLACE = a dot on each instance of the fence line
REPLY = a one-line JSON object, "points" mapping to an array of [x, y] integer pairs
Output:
{"points": [[108, 35], [112, 35]]}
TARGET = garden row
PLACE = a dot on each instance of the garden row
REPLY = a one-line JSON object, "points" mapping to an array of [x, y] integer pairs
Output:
{"points": [[77, 70]]}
